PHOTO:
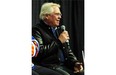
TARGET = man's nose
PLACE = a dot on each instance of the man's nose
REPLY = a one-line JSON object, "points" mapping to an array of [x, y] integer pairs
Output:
{"points": [[59, 16]]}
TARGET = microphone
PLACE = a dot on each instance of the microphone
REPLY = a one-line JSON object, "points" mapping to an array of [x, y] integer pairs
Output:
{"points": [[63, 28]]}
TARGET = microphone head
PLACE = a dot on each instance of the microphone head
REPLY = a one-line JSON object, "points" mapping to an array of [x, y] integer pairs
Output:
{"points": [[63, 27]]}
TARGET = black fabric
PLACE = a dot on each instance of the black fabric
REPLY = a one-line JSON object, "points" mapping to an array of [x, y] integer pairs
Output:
{"points": [[34, 73], [39, 70]]}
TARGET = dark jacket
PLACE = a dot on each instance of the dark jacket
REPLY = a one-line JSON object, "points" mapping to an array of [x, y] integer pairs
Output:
{"points": [[49, 46]]}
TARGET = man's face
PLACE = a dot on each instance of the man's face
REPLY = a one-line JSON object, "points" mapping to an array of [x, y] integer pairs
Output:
{"points": [[53, 19]]}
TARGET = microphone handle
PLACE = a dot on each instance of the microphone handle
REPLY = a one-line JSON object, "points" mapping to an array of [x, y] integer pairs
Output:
{"points": [[67, 41]]}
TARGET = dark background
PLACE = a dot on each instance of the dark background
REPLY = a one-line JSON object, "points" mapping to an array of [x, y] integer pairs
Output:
{"points": [[72, 17]]}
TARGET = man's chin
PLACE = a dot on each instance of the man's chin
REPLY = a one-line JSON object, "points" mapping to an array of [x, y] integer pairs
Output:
{"points": [[57, 24]]}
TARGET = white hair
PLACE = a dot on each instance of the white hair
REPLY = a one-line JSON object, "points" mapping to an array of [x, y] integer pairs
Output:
{"points": [[47, 8]]}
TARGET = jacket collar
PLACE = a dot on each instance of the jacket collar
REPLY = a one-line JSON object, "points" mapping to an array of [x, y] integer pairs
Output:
{"points": [[44, 25]]}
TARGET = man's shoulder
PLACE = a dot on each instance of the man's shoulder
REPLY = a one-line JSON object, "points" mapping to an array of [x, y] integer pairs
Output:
{"points": [[37, 26]]}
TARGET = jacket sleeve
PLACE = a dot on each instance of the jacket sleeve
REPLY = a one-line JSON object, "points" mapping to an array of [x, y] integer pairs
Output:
{"points": [[71, 58], [48, 49]]}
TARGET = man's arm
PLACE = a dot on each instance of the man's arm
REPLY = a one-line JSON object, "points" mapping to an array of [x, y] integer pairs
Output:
{"points": [[47, 49]]}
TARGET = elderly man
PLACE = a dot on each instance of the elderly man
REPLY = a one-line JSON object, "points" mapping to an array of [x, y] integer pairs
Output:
{"points": [[54, 52]]}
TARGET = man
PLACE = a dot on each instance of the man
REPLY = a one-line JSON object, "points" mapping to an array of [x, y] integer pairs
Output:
{"points": [[54, 52]]}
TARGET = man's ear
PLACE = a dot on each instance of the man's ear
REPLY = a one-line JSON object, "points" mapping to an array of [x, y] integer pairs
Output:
{"points": [[46, 17]]}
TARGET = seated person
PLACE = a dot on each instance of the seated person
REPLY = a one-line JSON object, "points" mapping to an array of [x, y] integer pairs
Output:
{"points": [[54, 51]]}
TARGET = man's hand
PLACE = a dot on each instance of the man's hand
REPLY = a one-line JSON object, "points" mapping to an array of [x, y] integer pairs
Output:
{"points": [[64, 36], [78, 67]]}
